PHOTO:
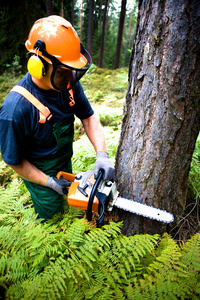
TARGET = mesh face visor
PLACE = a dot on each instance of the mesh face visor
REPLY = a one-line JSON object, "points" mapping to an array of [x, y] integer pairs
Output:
{"points": [[64, 77]]}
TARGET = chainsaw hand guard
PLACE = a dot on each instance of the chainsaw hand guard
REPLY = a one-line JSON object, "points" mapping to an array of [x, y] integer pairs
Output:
{"points": [[99, 195], [89, 194]]}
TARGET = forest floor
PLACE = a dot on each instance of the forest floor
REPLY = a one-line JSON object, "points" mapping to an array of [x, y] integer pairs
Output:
{"points": [[106, 91]]}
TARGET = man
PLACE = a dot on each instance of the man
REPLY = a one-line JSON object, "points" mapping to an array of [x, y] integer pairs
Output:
{"points": [[36, 119]]}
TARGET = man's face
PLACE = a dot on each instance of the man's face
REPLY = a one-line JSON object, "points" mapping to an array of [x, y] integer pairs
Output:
{"points": [[60, 77]]}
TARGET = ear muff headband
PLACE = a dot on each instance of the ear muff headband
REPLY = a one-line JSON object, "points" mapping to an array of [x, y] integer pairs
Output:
{"points": [[36, 67]]}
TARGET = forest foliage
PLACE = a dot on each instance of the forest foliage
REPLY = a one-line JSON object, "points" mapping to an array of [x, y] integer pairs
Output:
{"points": [[17, 18], [69, 258]]}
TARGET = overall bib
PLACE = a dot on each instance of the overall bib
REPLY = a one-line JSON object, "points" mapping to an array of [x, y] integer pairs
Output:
{"points": [[46, 201]]}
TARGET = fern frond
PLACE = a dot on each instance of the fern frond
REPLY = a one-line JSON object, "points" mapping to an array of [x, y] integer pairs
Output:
{"points": [[15, 203], [191, 259], [75, 233], [166, 277], [68, 258], [190, 253]]}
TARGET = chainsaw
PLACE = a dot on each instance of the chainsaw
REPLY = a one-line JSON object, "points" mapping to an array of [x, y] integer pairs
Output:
{"points": [[100, 195]]}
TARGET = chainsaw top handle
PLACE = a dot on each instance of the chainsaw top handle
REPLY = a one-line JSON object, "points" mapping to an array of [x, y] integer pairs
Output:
{"points": [[93, 193]]}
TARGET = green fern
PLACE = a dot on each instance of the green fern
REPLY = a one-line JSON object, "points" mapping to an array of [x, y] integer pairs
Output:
{"points": [[58, 265], [191, 259], [194, 175], [69, 258]]}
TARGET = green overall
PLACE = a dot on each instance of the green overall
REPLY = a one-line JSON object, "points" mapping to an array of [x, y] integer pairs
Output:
{"points": [[46, 201]]}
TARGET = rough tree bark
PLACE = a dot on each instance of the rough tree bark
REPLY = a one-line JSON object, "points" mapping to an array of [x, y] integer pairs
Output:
{"points": [[162, 112]]}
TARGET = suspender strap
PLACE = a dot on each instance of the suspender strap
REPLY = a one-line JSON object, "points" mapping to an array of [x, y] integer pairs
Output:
{"points": [[45, 113]]}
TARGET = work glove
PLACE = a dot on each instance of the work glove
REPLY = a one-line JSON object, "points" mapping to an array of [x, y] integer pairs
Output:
{"points": [[60, 185], [103, 162]]}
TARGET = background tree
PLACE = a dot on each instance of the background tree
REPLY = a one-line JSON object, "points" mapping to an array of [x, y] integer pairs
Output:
{"points": [[72, 13], [120, 33], [162, 111], [90, 25], [49, 7], [16, 19], [103, 35], [129, 34]]}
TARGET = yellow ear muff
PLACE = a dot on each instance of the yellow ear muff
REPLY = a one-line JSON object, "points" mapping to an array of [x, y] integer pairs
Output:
{"points": [[36, 67]]}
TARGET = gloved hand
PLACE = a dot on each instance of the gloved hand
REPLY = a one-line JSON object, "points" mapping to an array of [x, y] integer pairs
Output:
{"points": [[103, 162], [59, 185]]}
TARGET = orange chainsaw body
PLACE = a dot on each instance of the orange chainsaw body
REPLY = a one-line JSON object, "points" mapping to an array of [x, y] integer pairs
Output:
{"points": [[75, 198]]}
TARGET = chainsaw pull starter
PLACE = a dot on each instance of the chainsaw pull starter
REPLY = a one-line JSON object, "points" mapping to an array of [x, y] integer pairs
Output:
{"points": [[82, 190]]}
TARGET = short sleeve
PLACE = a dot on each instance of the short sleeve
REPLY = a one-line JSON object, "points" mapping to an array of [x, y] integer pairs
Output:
{"points": [[10, 143], [12, 135]]}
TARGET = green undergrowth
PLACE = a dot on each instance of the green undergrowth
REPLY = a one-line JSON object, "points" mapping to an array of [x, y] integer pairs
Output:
{"points": [[7, 80], [68, 257], [84, 155], [194, 176], [106, 86]]}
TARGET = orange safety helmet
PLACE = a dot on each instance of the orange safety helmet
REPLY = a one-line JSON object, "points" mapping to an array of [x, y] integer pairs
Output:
{"points": [[54, 40], [61, 41]]}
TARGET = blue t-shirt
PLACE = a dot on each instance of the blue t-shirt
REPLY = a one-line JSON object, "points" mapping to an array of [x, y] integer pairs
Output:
{"points": [[21, 134]]}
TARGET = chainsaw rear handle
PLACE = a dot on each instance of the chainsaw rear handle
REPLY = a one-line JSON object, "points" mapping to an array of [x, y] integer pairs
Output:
{"points": [[93, 193], [65, 175]]}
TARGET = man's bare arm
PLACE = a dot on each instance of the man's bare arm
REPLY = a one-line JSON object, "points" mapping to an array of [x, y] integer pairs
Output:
{"points": [[95, 133], [29, 172]]}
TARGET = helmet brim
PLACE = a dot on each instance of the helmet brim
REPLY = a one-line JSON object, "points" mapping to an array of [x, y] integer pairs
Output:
{"points": [[77, 64]]}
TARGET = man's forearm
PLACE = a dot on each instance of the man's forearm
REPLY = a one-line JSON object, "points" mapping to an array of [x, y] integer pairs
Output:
{"points": [[29, 172], [95, 133]]}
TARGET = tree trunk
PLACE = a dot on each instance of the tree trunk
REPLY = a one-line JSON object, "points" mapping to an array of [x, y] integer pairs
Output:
{"points": [[120, 34], [61, 9], [72, 13], [81, 11], [49, 8], [90, 26], [100, 14], [162, 112], [103, 35], [128, 38]]}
